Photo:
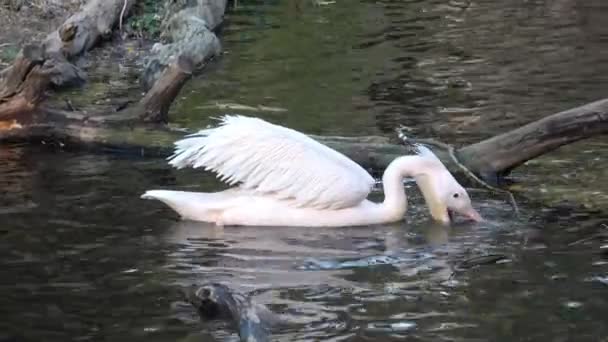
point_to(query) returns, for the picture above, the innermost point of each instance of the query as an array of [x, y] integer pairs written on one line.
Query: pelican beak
[[472, 214]]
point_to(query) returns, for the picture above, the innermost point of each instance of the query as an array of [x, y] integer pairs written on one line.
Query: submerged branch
[[462, 167], [372, 152], [502, 153], [252, 321]]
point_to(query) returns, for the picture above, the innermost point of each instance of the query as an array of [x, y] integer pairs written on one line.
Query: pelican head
[[446, 197]]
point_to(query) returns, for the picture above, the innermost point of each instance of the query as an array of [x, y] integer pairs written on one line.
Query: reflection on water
[[83, 258], [445, 67], [88, 260]]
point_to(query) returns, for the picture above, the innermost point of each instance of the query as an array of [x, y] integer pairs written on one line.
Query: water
[[448, 68], [459, 71], [83, 258]]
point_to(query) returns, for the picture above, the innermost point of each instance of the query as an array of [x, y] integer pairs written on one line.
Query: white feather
[[276, 161], [426, 152]]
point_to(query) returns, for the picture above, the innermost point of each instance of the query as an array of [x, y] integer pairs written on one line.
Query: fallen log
[[188, 26], [24, 86], [75, 130], [499, 154], [39, 66], [154, 106], [496, 156]]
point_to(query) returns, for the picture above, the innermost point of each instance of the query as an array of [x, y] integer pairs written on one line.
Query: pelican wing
[[276, 161]]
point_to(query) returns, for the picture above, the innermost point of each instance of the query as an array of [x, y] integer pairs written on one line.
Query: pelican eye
[[455, 195]]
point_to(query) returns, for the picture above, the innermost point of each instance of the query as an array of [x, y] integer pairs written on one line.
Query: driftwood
[[37, 67], [24, 84], [501, 154], [188, 27], [154, 106], [216, 301]]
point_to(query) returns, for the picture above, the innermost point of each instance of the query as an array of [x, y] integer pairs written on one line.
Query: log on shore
[[154, 106], [188, 28], [38, 66]]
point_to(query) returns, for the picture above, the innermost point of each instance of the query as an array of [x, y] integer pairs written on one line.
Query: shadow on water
[[83, 258]]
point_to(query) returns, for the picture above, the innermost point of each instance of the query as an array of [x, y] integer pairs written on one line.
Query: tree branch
[[501, 154]]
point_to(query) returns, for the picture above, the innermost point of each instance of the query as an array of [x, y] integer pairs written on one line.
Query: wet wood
[[187, 27], [217, 301], [154, 106], [26, 81], [481, 260], [187, 32], [25, 98], [14, 77], [499, 155], [373, 152], [23, 87], [121, 133], [38, 66]]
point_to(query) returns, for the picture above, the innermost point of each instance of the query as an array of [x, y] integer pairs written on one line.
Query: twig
[[122, 14], [478, 261], [481, 260], [483, 183], [591, 237], [462, 167]]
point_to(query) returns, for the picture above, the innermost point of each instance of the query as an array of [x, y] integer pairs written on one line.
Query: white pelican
[[284, 178]]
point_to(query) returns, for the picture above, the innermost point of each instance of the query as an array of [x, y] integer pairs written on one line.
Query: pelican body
[[281, 177]]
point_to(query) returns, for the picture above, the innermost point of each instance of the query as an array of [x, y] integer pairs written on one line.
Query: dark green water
[[83, 258]]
